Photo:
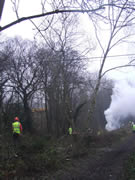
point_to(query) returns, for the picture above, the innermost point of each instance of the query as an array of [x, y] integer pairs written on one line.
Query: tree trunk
[[93, 106], [28, 117]]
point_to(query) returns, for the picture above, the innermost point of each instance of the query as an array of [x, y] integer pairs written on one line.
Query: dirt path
[[108, 166]]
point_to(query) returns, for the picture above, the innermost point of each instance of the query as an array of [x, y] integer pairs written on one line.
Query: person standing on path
[[17, 131], [70, 130]]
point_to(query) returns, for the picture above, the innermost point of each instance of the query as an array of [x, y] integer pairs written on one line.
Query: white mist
[[122, 104]]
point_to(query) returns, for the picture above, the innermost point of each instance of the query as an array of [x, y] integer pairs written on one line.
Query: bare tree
[[24, 74], [62, 67], [103, 99], [4, 57], [117, 19]]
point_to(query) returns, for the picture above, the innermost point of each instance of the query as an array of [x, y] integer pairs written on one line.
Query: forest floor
[[109, 162], [104, 157]]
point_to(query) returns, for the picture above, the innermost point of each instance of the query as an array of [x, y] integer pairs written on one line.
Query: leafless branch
[[43, 5], [40, 32], [127, 65], [16, 7], [120, 40], [96, 33], [48, 14]]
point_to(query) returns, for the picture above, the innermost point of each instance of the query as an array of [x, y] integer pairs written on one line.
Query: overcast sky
[[25, 29], [26, 8]]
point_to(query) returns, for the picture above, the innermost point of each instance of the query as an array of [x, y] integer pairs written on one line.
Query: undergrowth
[[130, 168], [42, 156]]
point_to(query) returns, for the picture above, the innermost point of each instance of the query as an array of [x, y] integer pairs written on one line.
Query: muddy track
[[108, 167]]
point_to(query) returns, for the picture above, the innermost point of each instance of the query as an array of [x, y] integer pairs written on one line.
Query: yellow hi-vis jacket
[[70, 131], [16, 127], [133, 127]]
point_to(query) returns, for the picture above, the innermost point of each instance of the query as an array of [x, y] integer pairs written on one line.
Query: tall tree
[[63, 72], [116, 20], [4, 57], [24, 74]]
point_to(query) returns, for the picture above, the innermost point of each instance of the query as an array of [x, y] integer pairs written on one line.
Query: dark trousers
[[16, 141]]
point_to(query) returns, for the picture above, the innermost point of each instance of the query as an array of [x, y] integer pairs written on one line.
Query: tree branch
[[128, 65], [47, 14]]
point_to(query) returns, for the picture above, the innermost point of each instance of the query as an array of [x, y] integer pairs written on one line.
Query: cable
[[96, 57], [120, 55]]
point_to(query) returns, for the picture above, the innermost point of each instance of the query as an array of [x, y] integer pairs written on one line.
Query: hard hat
[[16, 119]]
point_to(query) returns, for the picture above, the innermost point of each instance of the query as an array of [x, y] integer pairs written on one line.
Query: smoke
[[122, 104]]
